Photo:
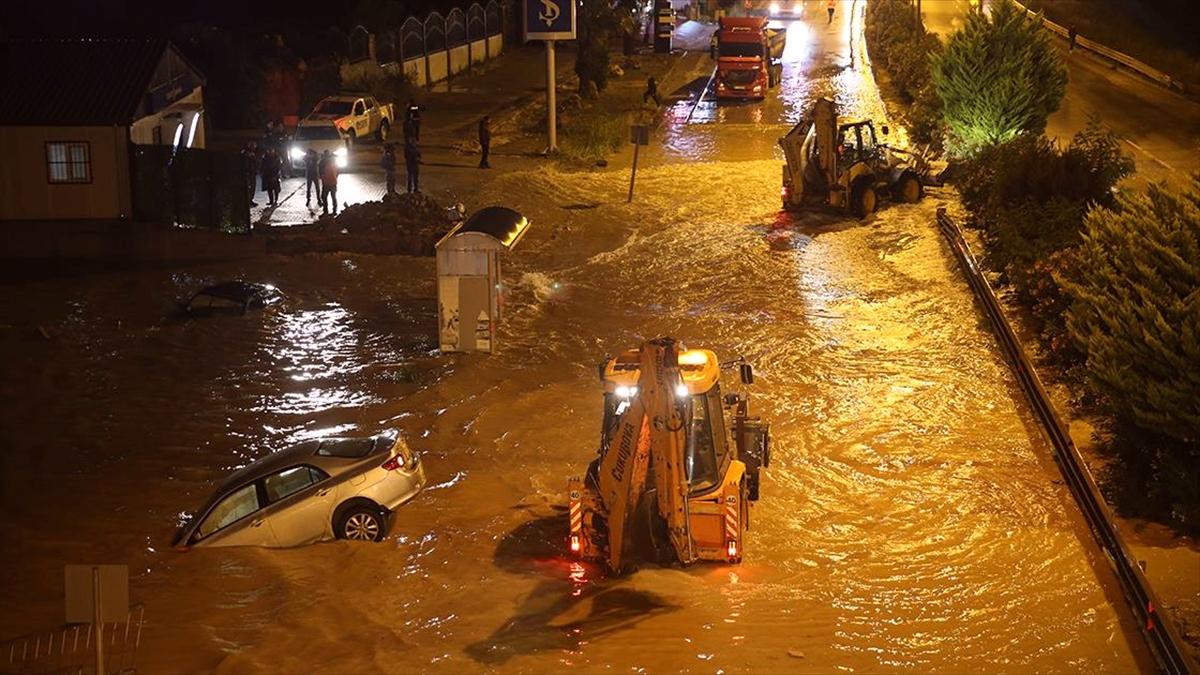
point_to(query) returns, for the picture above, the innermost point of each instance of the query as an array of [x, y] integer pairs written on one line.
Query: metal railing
[[69, 650], [1107, 52], [1156, 628]]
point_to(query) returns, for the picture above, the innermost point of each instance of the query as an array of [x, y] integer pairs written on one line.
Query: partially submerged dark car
[[235, 297]]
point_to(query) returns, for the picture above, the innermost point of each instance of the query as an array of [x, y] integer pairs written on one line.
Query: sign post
[[550, 20], [98, 594], [639, 135]]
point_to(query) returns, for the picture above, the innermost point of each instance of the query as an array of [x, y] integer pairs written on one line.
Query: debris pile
[[407, 224]]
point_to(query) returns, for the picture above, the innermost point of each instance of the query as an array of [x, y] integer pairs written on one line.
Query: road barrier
[[1157, 629], [1109, 53]]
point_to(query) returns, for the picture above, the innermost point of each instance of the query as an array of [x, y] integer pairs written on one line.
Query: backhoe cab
[[846, 166], [670, 437]]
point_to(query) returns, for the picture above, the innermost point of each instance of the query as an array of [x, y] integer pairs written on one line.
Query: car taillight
[[393, 463]]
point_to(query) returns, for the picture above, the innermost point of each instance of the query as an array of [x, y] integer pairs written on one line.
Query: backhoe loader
[[672, 443], [846, 166]]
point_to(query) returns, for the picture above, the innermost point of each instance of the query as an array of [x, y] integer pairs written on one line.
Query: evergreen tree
[[998, 76], [1136, 308]]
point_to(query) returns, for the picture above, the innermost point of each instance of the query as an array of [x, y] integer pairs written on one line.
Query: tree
[[598, 22], [1135, 285], [998, 77]]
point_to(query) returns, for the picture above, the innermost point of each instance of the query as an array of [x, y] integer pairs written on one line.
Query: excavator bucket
[[624, 479], [659, 379]]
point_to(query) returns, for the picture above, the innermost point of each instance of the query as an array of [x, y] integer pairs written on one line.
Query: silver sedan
[[339, 487]]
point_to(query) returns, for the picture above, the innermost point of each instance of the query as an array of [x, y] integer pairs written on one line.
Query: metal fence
[[190, 187], [415, 38], [71, 649]]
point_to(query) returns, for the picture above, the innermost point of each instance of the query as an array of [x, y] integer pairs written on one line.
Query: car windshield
[[335, 108], [740, 48], [318, 133], [350, 448]]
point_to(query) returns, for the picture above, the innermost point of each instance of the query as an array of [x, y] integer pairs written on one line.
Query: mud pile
[[406, 224]]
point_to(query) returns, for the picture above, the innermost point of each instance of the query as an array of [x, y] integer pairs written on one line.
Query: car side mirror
[[747, 372], [884, 129]]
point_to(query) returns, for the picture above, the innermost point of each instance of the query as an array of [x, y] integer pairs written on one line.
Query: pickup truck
[[355, 116]]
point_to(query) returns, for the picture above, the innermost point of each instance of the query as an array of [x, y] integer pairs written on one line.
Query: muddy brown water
[[911, 519]]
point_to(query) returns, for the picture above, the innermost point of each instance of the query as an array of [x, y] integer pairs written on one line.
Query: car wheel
[[908, 190], [863, 199], [384, 130], [361, 523]]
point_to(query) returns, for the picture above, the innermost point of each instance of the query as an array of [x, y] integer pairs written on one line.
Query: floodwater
[[911, 519]]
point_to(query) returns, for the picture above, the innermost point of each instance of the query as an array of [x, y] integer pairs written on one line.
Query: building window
[[69, 162]]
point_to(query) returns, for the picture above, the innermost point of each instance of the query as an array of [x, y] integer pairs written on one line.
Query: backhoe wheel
[[909, 189], [863, 199]]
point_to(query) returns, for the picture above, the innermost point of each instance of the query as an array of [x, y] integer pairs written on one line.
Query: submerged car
[[336, 487], [232, 296]]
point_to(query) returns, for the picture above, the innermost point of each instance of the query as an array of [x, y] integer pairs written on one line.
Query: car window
[[233, 508], [358, 108], [291, 481]]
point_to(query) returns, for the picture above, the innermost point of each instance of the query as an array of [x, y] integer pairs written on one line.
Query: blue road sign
[[549, 19]]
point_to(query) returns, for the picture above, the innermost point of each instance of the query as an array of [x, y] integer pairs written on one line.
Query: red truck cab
[[749, 55]]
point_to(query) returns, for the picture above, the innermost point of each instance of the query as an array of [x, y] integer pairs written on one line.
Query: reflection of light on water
[[316, 343]]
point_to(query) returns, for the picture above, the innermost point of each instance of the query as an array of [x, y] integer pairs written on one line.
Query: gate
[[190, 187]]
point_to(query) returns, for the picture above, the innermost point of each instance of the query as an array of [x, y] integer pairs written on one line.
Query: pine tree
[[998, 76], [1136, 308]]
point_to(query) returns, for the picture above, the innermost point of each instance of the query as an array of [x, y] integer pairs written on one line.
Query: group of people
[[271, 164]]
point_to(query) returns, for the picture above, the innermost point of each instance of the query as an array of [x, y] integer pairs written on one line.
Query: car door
[[299, 505], [236, 520], [361, 122]]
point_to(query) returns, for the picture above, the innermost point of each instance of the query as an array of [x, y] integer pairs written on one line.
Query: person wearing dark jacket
[[412, 164], [388, 162], [651, 92], [250, 161], [412, 120], [485, 142], [271, 166], [312, 176], [329, 178]]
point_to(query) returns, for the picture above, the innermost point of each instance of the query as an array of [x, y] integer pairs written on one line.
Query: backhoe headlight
[[626, 392], [681, 390]]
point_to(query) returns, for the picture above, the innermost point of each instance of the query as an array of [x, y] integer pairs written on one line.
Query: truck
[[846, 166], [749, 57], [356, 116], [677, 458]]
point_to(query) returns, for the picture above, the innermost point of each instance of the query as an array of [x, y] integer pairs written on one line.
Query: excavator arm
[[651, 432]]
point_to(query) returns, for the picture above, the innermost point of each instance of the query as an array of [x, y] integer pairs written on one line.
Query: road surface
[[911, 520]]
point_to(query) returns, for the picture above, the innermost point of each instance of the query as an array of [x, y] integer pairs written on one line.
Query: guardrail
[[69, 650], [1157, 629], [1109, 53]]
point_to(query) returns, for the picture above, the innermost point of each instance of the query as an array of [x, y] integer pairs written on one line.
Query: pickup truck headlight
[[340, 152], [296, 153]]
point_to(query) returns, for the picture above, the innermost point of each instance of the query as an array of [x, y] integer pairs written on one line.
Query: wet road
[[910, 520], [1161, 128]]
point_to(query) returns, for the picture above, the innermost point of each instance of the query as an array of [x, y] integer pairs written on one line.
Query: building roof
[[503, 224], [82, 82]]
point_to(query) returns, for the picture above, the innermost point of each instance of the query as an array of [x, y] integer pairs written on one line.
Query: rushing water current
[[911, 519]]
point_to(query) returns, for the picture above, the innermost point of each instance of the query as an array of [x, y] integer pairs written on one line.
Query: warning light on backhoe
[[574, 543], [732, 548]]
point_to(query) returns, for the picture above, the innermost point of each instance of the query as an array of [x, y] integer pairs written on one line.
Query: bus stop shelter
[[468, 272]]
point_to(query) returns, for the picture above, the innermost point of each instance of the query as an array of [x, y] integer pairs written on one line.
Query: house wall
[[26, 192]]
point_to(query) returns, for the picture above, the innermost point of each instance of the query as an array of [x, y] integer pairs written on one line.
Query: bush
[[998, 77], [1135, 311], [900, 45], [1030, 196]]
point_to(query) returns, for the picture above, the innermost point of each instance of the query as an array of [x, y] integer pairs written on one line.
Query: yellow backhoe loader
[[847, 166], [673, 444]]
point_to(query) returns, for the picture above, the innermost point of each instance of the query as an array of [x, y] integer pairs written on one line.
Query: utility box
[[468, 271]]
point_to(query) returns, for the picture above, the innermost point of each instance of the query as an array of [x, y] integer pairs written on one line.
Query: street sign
[[549, 19], [639, 134], [81, 593]]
